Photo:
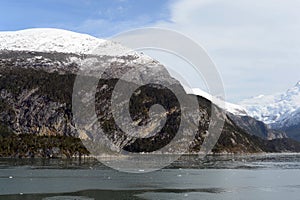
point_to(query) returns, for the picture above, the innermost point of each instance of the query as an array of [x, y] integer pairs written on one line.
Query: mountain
[[57, 40], [241, 118], [36, 87], [229, 107], [255, 127], [279, 111], [290, 125], [63, 41]]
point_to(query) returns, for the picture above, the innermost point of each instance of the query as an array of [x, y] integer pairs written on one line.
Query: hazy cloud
[[255, 44]]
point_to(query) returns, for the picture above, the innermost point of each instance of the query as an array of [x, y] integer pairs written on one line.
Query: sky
[[255, 44]]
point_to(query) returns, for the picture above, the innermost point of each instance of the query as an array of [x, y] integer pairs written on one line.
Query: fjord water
[[268, 176]]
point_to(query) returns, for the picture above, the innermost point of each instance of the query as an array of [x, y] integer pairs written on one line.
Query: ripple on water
[[67, 198]]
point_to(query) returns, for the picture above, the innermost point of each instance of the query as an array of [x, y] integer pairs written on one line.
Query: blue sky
[[82, 15], [254, 43]]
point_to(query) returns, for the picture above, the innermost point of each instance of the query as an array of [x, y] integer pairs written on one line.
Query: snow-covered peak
[[47, 40], [229, 107], [273, 108], [57, 40]]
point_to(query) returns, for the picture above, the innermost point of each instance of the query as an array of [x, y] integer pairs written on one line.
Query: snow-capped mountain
[[58, 40], [229, 107], [63, 41], [37, 71], [278, 110], [240, 117]]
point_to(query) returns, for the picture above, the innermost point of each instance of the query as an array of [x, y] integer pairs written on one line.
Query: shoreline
[[127, 156]]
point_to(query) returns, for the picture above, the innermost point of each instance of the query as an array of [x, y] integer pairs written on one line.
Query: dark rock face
[[36, 98], [292, 131], [36, 102], [257, 128], [140, 104], [290, 125]]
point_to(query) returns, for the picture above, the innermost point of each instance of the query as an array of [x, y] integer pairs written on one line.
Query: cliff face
[[257, 128], [36, 93], [36, 98], [30, 112]]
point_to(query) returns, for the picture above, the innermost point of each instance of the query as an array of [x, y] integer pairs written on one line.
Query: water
[[256, 177]]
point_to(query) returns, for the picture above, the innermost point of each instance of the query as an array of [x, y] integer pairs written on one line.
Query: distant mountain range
[[37, 72], [279, 111]]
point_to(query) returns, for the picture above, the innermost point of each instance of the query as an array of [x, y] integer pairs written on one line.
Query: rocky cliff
[[36, 98]]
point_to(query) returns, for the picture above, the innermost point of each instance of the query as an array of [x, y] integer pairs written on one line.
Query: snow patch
[[275, 109], [229, 107], [58, 40]]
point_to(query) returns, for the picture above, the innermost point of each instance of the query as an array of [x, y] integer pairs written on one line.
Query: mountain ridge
[[64, 41], [58, 40], [36, 92], [280, 111], [272, 109]]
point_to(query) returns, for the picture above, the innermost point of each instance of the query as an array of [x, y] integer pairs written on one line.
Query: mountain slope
[[36, 97], [229, 107], [274, 108], [257, 128], [57, 40], [280, 111], [47, 40]]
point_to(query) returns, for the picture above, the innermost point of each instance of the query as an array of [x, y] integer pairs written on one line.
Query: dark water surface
[[254, 177]]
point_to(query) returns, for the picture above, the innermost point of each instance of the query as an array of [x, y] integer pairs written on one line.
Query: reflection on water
[[67, 198], [109, 194], [264, 177]]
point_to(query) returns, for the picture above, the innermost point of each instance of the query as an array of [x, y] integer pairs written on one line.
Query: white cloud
[[255, 44]]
